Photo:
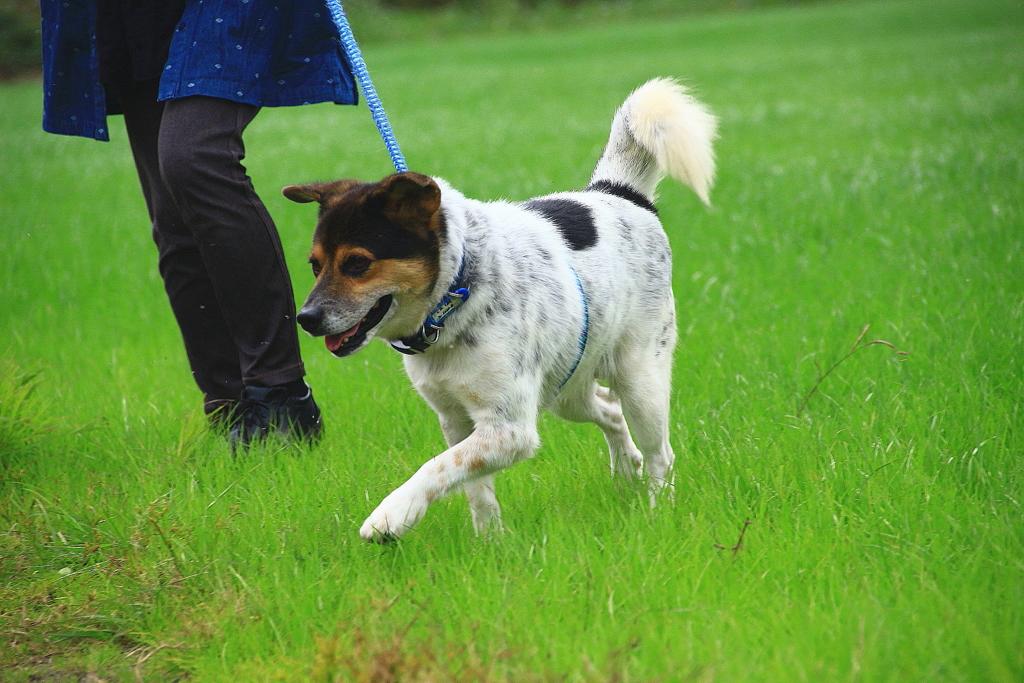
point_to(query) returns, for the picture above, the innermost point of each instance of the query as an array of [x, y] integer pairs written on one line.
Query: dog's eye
[[355, 266], [316, 267]]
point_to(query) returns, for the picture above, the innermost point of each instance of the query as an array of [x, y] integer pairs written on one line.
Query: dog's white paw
[[628, 463], [395, 515]]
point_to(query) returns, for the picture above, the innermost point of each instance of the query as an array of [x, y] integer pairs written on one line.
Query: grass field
[[871, 173]]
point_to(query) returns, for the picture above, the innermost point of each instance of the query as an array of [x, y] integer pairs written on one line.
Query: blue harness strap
[[586, 329], [362, 74]]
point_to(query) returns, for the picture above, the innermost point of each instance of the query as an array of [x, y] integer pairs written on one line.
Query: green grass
[[871, 173]]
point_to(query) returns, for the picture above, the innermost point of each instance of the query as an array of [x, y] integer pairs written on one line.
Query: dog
[[563, 303]]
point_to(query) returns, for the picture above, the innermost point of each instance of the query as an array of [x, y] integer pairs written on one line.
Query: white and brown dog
[[563, 303]]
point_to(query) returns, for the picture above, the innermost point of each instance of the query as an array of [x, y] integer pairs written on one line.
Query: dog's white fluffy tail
[[660, 130]]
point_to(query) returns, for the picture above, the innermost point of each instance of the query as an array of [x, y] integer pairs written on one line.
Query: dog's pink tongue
[[333, 341]]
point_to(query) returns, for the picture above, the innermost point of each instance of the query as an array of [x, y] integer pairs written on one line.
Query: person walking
[[188, 77]]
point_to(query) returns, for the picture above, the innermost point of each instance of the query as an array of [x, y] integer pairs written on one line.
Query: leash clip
[[431, 330], [426, 334]]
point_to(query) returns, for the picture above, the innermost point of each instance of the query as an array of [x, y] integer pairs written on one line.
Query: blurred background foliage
[[19, 37], [376, 21]]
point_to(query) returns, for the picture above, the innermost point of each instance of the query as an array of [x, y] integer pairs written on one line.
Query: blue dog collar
[[430, 331]]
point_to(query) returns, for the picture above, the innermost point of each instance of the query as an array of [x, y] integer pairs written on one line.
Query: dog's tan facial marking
[[409, 276], [317, 259], [353, 273], [354, 263]]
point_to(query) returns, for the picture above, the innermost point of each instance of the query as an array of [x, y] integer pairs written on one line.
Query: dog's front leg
[[483, 504], [488, 449]]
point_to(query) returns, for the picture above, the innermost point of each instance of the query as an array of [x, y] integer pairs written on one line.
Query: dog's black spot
[[624, 192], [574, 220]]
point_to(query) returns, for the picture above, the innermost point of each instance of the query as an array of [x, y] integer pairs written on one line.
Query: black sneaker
[[220, 413], [275, 410]]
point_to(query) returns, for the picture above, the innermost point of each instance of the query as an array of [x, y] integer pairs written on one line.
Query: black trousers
[[219, 251]]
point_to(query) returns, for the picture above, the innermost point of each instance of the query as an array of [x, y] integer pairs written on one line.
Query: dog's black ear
[[317, 192], [410, 200]]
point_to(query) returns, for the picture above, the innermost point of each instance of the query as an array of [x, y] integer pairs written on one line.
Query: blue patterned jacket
[[270, 53]]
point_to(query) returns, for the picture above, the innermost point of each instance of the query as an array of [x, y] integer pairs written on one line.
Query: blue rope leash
[[359, 70], [362, 74]]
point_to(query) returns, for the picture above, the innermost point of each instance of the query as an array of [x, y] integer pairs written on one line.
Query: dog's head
[[375, 255]]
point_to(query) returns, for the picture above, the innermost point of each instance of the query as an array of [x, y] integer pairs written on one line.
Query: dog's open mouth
[[351, 339]]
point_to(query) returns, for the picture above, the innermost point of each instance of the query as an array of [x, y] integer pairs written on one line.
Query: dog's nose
[[310, 318]]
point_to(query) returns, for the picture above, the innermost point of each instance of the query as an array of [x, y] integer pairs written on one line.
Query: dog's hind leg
[[600, 406], [643, 384]]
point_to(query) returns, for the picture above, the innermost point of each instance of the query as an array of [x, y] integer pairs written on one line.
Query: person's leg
[[201, 150], [211, 351]]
